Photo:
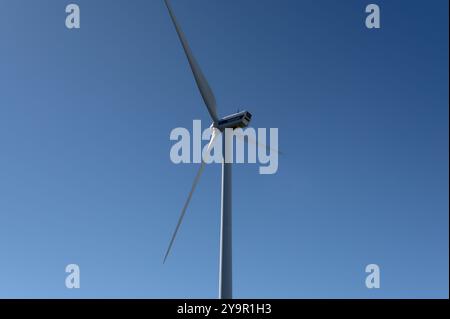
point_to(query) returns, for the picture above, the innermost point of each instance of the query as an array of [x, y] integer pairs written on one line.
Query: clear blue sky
[[86, 178]]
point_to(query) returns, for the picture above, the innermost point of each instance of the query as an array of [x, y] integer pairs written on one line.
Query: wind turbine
[[238, 120]]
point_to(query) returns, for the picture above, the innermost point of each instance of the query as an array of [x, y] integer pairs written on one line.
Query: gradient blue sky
[[86, 178]]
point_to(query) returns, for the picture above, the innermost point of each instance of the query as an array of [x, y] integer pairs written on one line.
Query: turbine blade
[[183, 211], [202, 84], [253, 141], [214, 136]]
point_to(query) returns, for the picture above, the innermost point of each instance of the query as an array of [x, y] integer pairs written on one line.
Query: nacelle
[[238, 120]]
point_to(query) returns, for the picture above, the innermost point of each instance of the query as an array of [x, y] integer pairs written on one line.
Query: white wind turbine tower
[[238, 120]]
